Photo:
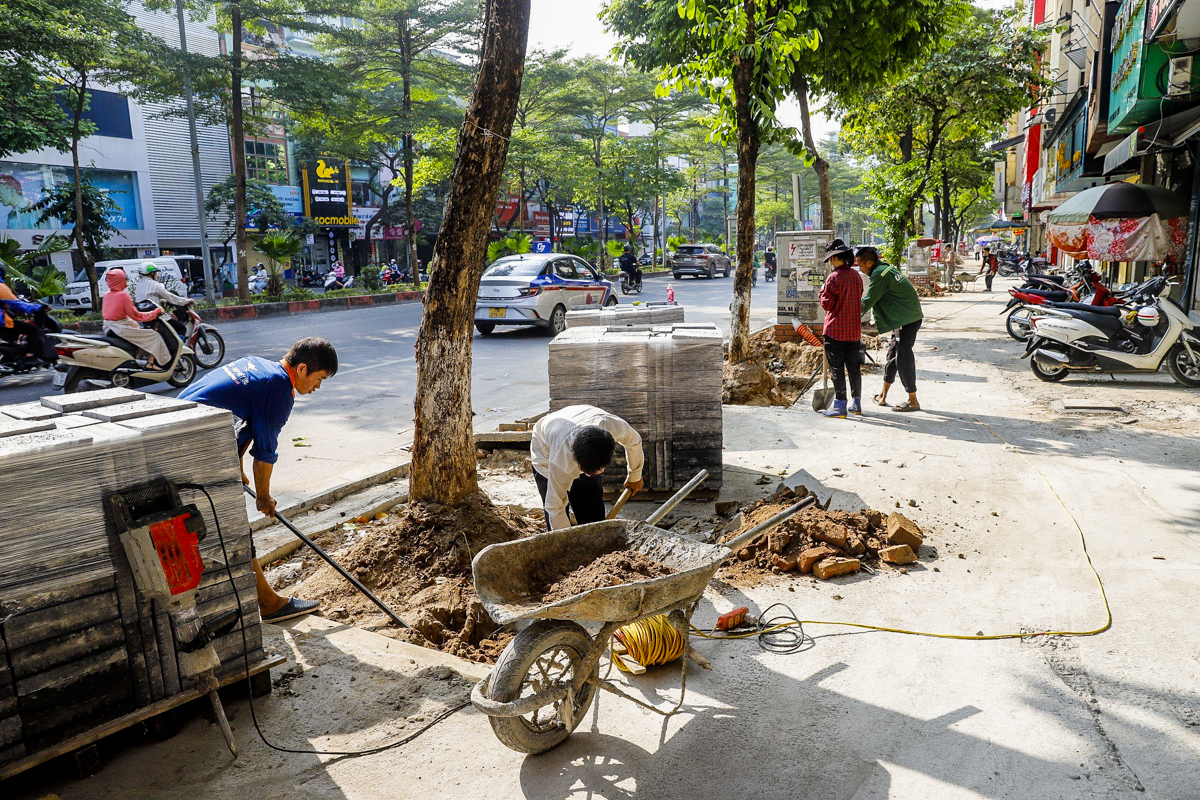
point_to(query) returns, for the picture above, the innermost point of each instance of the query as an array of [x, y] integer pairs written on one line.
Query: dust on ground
[[776, 372], [852, 535], [418, 561], [610, 569]]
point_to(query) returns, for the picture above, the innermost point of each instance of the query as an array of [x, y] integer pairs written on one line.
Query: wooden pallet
[[89, 738]]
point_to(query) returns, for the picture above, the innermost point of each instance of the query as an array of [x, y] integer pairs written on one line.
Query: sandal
[[879, 401], [907, 405], [294, 607]]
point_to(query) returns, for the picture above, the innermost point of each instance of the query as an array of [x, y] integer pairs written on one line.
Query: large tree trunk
[[443, 455], [820, 165], [410, 220], [239, 155], [747, 150], [87, 258]]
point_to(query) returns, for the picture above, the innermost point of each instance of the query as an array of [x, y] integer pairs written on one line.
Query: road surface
[[363, 417]]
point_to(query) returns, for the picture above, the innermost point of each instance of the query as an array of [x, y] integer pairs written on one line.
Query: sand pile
[[611, 569], [824, 543], [419, 563], [776, 372], [931, 290]]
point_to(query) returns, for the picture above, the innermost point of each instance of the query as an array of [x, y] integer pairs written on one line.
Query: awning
[[1007, 143], [1124, 152], [1170, 131]]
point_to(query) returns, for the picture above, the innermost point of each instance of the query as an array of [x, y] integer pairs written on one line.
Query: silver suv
[[700, 260]]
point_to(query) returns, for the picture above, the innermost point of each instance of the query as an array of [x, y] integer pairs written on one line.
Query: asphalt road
[[364, 415]]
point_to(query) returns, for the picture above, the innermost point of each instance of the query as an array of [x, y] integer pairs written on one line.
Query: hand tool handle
[[329, 560], [743, 539], [677, 498], [621, 501]]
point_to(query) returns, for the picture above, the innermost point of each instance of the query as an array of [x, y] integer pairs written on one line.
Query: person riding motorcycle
[[11, 328], [770, 260], [149, 288], [628, 264], [122, 319]]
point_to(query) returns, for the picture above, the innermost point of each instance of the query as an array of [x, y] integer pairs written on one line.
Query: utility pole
[[209, 289]]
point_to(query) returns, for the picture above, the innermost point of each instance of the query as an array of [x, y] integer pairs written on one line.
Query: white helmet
[[1148, 316]]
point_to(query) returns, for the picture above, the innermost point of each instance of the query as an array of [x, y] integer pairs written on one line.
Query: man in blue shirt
[[260, 394]]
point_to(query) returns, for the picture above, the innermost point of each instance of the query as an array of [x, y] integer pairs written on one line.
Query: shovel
[[824, 396]]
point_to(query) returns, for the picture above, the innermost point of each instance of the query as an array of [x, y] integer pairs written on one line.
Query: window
[[565, 268], [266, 162], [360, 192], [585, 271], [514, 267], [108, 111]]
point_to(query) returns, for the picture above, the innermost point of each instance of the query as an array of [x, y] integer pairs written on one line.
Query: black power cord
[[246, 658]]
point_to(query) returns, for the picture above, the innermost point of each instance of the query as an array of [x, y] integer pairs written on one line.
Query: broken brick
[[811, 556], [833, 567], [783, 564], [855, 546], [745, 554], [874, 518], [778, 540], [874, 545], [902, 530], [898, 554], [833, 535]]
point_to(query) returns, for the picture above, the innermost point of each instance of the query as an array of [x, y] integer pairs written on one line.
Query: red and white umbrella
[[1121, 222]]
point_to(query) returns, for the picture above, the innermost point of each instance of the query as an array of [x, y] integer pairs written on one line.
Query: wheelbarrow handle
[[677, 498], [743, 539], [621, 501]]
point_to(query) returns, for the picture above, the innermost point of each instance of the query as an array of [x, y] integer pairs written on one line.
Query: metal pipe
[[743, 539], [677, 498], [329, 560], [517, 708]]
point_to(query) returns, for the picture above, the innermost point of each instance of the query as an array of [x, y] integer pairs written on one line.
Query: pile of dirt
[[419, 563], [929, 290], [776, 372], [824, 543], [611, 569]]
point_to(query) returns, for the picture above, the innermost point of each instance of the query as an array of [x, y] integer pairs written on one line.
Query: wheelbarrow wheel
[[547, 652]]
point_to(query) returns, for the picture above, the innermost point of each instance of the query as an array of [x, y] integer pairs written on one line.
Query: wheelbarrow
[[548, 674]]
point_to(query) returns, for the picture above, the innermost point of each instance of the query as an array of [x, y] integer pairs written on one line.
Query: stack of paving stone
[[665, 381], [626, 316], [78, 646]]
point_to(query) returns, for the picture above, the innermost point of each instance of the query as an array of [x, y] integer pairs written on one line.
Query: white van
[[79, 295]]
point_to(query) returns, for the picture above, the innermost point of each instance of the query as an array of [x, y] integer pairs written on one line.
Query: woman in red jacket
[[841, 297]]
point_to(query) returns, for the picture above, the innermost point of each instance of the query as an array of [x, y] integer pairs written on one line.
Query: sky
[[573, 24]]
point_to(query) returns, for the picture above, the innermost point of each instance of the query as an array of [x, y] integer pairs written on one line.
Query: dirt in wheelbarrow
[[776, 371], [418, 561], [820, 543], [611, 569]]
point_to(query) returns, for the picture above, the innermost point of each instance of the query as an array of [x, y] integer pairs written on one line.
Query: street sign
[[541, 247]]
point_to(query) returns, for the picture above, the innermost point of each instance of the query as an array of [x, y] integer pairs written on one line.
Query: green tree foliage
[[508, 246], [30, 116], [21, 268], [964, 91], [265, 210], [279, 248], [61, 205]]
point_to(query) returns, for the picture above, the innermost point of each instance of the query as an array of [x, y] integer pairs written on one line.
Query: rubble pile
[[611, 569], [776, 372], [823, 543], [419, 562]]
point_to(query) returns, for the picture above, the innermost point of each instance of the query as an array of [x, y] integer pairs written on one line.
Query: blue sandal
[[294, 607]]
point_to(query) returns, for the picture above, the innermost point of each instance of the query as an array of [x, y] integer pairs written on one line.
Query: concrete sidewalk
[[861, 714]]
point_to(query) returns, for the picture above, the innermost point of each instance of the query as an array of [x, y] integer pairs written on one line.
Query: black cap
[[838, 248]]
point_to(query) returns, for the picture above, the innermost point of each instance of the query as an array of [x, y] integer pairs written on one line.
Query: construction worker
[[260, 394], [570, 449]]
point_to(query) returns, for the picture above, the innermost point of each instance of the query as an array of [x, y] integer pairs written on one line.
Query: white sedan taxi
[[539, 289]]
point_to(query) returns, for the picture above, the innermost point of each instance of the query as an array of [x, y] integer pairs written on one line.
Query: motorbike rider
[[11, 328], [628, 264], [121, 318], [770, 260], [150, 288]]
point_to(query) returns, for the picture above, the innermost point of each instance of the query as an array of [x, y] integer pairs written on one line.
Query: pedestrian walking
[[841, 297], [897, 309]]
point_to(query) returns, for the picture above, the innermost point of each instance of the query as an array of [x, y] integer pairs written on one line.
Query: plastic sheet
[[665, 381], [625, 316]]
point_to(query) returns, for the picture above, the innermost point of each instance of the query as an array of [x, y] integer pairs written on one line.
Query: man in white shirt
[[570, 449], [148, 288]]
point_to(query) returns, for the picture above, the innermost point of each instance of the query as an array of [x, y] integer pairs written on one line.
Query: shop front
[[327, 200]]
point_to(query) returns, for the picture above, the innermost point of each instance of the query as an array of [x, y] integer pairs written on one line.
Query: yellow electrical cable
[[651, 642], [976, 637]]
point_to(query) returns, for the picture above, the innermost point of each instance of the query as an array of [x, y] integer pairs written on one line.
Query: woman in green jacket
[[897, 309]]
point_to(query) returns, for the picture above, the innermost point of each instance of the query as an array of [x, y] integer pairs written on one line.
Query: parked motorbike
[[87, 361], [1147, 332], [628, 285], [14, 360], [1083, 282], [205, 341]]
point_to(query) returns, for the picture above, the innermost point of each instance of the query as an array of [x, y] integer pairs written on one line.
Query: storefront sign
[[365, 214], [23, 185], [327, 193], [291, 197]]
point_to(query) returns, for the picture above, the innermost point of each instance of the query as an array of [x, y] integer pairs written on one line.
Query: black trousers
[[844, 360], [585, 498], [987, 279], [900, 358], [35, 340]]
